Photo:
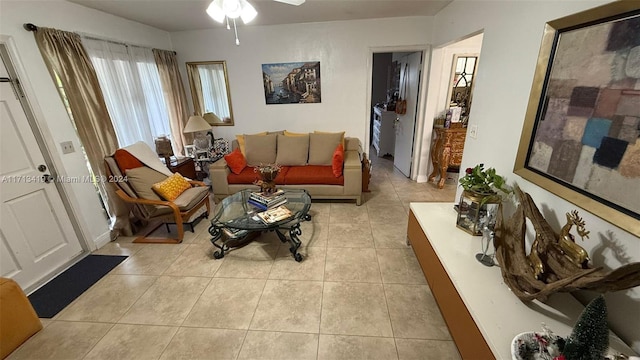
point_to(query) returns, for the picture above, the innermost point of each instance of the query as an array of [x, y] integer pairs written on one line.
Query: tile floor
[[358, 294]]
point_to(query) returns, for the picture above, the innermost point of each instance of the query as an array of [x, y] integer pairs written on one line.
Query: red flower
[[469, 170]]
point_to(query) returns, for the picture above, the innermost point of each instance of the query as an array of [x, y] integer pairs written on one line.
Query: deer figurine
[[567, 243]]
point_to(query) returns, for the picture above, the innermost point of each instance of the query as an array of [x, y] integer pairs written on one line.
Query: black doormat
[[66, 287]]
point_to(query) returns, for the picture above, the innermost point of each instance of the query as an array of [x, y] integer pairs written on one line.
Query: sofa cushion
[[289, 133], [240, 139], [236, 161], [322, 146], [312, 175], [142, 179], [292, 150], [248, 176], [326, 132], [338, 161], [171, 187], [260, 149]]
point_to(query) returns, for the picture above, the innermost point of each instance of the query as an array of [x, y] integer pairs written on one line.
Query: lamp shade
[[211, 118], [215, 11], [196, 123], [248, 12]]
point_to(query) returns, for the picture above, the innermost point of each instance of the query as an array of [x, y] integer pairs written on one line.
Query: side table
[[185, 166]]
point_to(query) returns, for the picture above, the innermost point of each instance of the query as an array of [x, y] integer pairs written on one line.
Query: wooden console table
[[482, 314], [446, 151]]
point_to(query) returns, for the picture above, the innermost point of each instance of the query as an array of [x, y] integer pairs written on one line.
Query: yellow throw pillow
[[170, 188], [288, 133], [240, 139], [327, 132]]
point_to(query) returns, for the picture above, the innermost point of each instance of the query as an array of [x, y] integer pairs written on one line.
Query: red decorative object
[[338, 160], [236, 161]]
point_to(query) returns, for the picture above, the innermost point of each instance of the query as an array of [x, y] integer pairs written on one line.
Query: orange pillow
[[338, 160], [126, 161], [236, 161], [170, 188]]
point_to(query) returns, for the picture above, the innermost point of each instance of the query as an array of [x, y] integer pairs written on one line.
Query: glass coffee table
[[236, 218]]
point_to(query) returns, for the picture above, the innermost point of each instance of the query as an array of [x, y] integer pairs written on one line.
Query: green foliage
[[589, 339], [483, 181]]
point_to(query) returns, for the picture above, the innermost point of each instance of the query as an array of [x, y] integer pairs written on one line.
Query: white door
[[405, 124], [36, 234]]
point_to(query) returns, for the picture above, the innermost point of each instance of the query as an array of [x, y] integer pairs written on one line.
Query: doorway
[[450, 64], [395, 77], [37, 233]]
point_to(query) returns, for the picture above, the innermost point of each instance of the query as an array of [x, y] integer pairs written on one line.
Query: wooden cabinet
[[185, 166], [384, 134], [446, 151]]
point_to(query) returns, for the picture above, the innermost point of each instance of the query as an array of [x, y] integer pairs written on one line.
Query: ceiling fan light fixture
[[248, 11], [292, 2], [215, 11], [232, 8]]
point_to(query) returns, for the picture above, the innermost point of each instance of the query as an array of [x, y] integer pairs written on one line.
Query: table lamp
[[163, 148], [198, 125]]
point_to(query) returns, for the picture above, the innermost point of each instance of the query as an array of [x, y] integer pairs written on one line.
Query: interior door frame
[[421, 101], [45, 143]]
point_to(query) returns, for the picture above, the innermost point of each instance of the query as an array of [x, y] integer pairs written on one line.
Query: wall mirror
[[461, 85], [210, 91]]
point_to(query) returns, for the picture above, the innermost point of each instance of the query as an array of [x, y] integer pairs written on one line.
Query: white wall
[[343, 49], [49, 110], [512, 34]]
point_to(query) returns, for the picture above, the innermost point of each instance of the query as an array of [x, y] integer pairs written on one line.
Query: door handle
[[42, 168], [396, 122], [47, 178]]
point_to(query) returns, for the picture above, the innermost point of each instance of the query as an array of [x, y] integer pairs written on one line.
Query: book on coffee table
[[274, 215]]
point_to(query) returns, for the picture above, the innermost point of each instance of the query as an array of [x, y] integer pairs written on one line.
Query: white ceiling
[[179, 15]]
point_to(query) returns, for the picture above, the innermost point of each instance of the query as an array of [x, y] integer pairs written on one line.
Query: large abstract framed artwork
[[292, 83], [580, 138]]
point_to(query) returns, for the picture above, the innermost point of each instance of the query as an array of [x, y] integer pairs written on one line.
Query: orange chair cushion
[[338, 161], [126, 161], [172, 187], [18, 320], [312, 175], [236, 161]]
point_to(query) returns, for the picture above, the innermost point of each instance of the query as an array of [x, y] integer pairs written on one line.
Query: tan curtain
[[65, 56], [174, 95]]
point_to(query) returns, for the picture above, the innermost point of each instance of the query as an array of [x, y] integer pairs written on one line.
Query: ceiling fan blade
[[291, 2]]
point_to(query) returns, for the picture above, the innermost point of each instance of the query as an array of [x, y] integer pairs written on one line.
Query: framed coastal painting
[[292, 83], [580, 138]]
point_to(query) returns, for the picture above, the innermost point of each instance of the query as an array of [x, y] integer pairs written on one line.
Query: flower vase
[[473, 208], [268, 176]]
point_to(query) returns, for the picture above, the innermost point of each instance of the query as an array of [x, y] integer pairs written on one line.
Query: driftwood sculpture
[[555, 263]]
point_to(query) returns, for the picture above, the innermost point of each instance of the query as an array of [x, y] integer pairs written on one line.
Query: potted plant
[[480, 197]]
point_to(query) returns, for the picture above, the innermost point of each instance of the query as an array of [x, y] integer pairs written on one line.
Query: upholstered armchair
[[155, 194]]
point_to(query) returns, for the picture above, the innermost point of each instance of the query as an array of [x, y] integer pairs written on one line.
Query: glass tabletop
[[235, 211]]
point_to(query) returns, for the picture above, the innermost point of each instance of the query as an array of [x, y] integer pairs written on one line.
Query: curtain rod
[[31, 27]]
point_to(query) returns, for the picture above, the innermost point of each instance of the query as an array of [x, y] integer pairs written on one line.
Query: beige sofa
[[310, 172]]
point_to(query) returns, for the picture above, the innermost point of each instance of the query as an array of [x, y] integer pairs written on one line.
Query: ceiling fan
[[221, 10], [291, 2]]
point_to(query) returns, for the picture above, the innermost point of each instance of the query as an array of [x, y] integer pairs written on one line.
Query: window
[[130, 83]]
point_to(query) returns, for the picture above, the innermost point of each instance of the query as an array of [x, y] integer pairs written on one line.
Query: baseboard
[[102, 240], [422, 178]]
